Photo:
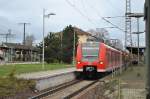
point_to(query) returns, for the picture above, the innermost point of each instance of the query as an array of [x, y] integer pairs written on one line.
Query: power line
[[113, 24], [115, 8], [106, 19], [72, 5], [83, 6], [97, 14], [114, 17]]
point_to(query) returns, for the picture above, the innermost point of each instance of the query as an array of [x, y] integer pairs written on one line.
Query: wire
[[105, 19], [115, 17], [114, 7], [83, 6], [113, 24], [80, 12], [97, 14]]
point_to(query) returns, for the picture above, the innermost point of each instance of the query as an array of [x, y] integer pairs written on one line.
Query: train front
[[87, 58]]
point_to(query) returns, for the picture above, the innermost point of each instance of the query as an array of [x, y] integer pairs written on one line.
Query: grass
[[26, 68], [10, 85]]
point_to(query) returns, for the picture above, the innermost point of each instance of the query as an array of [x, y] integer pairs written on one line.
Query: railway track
[[54, 89], [67, 90]]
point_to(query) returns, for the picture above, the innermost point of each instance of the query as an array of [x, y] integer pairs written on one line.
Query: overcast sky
[[85, 14]]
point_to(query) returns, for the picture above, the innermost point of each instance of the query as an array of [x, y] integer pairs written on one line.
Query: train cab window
[[90, 52]]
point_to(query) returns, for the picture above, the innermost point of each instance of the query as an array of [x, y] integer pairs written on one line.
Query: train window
[[90, 53], [112, 55], [109, 57], [90, 44], [117, 58], [113, 58]]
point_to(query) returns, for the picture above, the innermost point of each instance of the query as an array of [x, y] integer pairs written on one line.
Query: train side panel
[[79, 65], [101, 66]]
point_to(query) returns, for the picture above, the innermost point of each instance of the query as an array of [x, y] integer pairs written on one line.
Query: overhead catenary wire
[[114, 17], [72, 5], [106, 19], [96, 13], [114, 7], [83, 6], [113, 24]]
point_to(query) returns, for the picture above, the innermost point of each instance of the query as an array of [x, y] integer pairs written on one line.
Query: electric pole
[[128, 35], [137, 16], [7, 35], [24, 31], [147, 19]]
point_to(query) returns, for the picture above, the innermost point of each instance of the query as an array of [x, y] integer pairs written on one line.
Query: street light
[[44, 16]]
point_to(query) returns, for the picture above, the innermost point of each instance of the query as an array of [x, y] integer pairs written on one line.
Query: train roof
[[91, 44], [95, 44]]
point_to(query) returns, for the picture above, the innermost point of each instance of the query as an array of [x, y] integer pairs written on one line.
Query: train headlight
[[101, 63], [78, 62]]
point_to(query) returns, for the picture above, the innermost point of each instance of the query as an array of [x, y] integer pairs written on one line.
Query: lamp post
[[44, 16]]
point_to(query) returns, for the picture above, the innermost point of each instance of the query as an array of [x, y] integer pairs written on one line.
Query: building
[[82, 35], [135, 52], [16, 52]]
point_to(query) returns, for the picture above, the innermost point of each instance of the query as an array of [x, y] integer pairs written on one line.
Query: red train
[[94, 57]]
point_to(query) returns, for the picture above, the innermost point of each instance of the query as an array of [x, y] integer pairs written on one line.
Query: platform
[[133, 83], [45, 74]]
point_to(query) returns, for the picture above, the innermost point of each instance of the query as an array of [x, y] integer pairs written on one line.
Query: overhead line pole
[[128, 27], [24, 31], [138, 16], [138, 40], [147, 18], [7, 35]]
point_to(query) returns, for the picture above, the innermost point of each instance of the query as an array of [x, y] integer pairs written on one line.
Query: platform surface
[[45, 74], [133, 82]]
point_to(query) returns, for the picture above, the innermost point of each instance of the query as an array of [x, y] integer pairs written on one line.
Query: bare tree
[[101, 34], [29, 40]]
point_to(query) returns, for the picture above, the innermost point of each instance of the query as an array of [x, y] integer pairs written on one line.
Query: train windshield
[[90, 52]]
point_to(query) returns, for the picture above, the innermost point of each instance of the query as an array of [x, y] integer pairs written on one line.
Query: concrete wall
[[45, 83]]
